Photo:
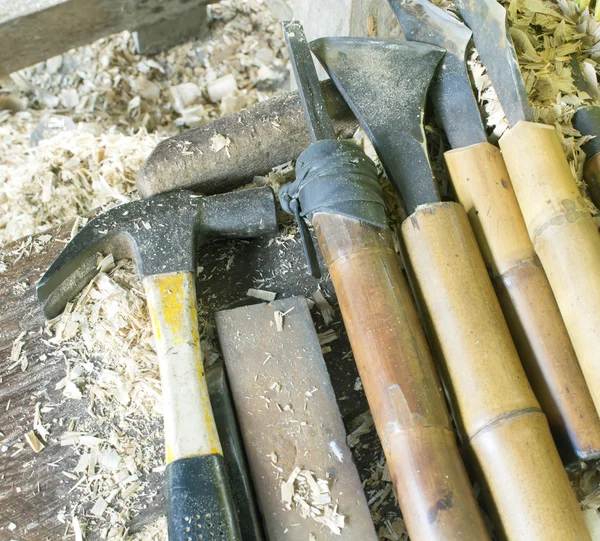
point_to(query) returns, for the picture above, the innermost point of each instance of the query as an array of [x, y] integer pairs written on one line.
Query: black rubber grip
[[199, 502]]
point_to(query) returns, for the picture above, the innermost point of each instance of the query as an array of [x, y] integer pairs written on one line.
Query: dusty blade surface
[[487, 19], [320, 125], [385, 83], [451, 88]]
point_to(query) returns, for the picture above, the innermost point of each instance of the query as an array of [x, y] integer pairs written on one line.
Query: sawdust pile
[[95, 113], [67, 175], [558, 46], [312, 498], [111, 364]]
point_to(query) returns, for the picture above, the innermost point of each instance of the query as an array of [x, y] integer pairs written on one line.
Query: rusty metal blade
[[451, 88], [488, 21], [385, 84], [320, 125]]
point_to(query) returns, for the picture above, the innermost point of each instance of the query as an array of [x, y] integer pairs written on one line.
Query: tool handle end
[[198, 500]]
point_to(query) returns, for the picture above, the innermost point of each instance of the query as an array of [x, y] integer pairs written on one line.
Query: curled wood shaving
[[311, 496]]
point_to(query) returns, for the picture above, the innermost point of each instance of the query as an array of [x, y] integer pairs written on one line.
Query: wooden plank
[[372, 18], [172, 30], [34, 491], [39, 29], [289, 418], [362, 18]]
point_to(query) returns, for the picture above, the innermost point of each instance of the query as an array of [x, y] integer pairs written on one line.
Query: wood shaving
[[326, 310], [34, 442], [554, 42], [327, 336], [311, 497], [220, 142], [261, 294]]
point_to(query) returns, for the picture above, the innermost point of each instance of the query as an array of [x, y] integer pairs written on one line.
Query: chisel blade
[[385, 84], [487, 20], [319, 124], [451, 88]]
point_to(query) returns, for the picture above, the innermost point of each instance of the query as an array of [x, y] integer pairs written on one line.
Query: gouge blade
[[488, 22], [385, 84], [451, 88], [320, 125]]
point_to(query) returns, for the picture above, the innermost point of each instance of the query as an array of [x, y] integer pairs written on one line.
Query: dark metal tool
[[409, 68], [337, 188], [161, 234], [561, 228], [587, 122], [484, 189], [499, 418]]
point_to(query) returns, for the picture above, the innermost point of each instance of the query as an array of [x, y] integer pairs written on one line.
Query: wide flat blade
[[320, 125], [487, 19], [451, 88], [385, 83]]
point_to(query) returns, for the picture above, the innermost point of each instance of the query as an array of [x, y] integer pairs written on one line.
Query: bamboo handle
[[485, 191], [563, 233], [197, 490], [508, 435], [591, 175], [400, 381]]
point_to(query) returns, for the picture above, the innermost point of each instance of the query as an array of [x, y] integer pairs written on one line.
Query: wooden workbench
[[34, 494]]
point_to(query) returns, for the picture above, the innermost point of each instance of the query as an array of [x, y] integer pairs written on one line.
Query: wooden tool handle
[[563, 233], [508, 435], [197, 490], [485, 191], [400, 381]]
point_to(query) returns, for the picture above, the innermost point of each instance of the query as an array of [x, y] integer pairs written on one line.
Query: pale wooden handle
[[400, 381], [549, 359], [488, 388], [484, 189], [563, 233], [190, 428]]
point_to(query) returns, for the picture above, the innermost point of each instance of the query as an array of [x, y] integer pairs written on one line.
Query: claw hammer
[[161, 234]]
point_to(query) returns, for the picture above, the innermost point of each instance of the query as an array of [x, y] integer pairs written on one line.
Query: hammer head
[[162, 234]]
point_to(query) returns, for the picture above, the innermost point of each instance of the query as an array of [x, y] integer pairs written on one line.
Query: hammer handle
[[563, 233], [508, 435], [400, 381], [197, 489], [485, 191]]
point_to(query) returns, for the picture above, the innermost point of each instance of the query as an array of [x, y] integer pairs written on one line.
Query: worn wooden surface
[[34, 490], [309, 435], [32, 31], [261, 137], [171, 30]]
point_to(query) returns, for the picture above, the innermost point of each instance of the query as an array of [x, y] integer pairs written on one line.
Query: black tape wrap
[[336, 177]]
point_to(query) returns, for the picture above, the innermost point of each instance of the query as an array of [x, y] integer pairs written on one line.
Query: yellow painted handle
[[190, 428], [508, 435], [485, 191], [563, 233]]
